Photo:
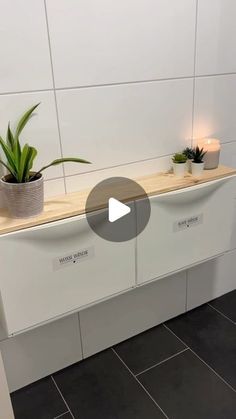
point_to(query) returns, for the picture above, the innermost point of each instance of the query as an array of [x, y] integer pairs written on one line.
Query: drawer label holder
[[188, 222], [72, 258]]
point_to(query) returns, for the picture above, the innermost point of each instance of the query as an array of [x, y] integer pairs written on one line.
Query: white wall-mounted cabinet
[[58, 268], [186, 227]]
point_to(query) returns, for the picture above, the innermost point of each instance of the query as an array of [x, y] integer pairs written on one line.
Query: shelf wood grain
[[58, 208]]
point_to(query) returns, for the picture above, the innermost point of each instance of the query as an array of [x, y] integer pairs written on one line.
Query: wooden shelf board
[[58, 208]]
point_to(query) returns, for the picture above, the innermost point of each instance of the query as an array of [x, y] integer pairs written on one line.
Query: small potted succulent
[[179, 164], [22, 187], [197, 164], [188, 151]]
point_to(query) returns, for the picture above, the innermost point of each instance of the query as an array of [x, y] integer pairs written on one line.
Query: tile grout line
[[61, 416], [54, 92], [19, 92], [210, 368], [194, 71], [149, 159], [141, 385], [59, 391], [162, 362], [222, 314]]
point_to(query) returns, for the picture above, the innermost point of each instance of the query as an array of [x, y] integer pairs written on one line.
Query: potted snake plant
[[22, 186], [197, 164], [188, 151]]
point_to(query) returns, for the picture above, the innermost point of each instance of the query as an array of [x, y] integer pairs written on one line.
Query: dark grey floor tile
[[148, 348], [40, 400], [185, 388], [212, 337], [102, 388], [226, 304]]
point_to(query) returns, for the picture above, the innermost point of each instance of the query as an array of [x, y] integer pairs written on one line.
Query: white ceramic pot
[[188, 166], [179, 169], [23, 200], [197, 169]]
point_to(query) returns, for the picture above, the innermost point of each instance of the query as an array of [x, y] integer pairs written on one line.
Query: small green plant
[[198, 154], [188, 152], [19, 160], [179, 158]]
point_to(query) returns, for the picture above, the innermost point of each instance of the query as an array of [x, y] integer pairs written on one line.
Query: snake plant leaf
[[10, 137], [9, 154], [9, 169], [23, 121], [64, 160], [17, 152], [23, 163], [31, 156]]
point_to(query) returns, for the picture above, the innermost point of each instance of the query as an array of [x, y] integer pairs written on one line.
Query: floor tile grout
[[61, 416], [222, 314], [141, 385], [219, 376], [59, 391], [161, 362]]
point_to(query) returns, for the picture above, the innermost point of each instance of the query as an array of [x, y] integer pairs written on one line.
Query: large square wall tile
[[216, 33], [24, 49], [215, 104], [108, 42], [116, 125]]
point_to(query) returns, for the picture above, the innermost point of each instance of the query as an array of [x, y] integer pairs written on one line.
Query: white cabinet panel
[[24, 49], [42, 351], [216, 33], [211, 280], [116, 125], [102, 42], [131, 313], [39, 283], [186, 227]]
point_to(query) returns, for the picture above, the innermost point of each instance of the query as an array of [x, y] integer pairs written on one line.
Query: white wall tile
[[216, 33], [41, 131], [215, 104], [127, 40], [54, 187], [24, 49], [40, 352], [211, 279], [228, 154], [117, 319], [116, 125], [134, 170]]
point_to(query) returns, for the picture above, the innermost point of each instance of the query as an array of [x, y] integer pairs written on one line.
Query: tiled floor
[[184, 369]]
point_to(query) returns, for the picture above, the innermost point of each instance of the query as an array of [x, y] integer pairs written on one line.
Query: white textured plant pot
[[23, 200], [179, 169], [197, 169]]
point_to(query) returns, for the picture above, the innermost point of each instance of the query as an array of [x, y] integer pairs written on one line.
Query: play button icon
[[113, 207], [117, 210]]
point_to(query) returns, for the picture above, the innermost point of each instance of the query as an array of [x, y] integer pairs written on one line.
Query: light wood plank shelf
[[58, 208]]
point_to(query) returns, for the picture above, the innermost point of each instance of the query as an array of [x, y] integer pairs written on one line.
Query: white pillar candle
[[212, 148]]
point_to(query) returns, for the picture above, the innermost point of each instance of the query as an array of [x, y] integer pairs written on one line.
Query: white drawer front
[[57, 268], [186, 227]]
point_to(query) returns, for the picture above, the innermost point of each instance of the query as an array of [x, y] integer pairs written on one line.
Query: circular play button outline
[[117, 209]]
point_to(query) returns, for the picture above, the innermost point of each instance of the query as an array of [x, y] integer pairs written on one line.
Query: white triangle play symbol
[[116, 209]]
